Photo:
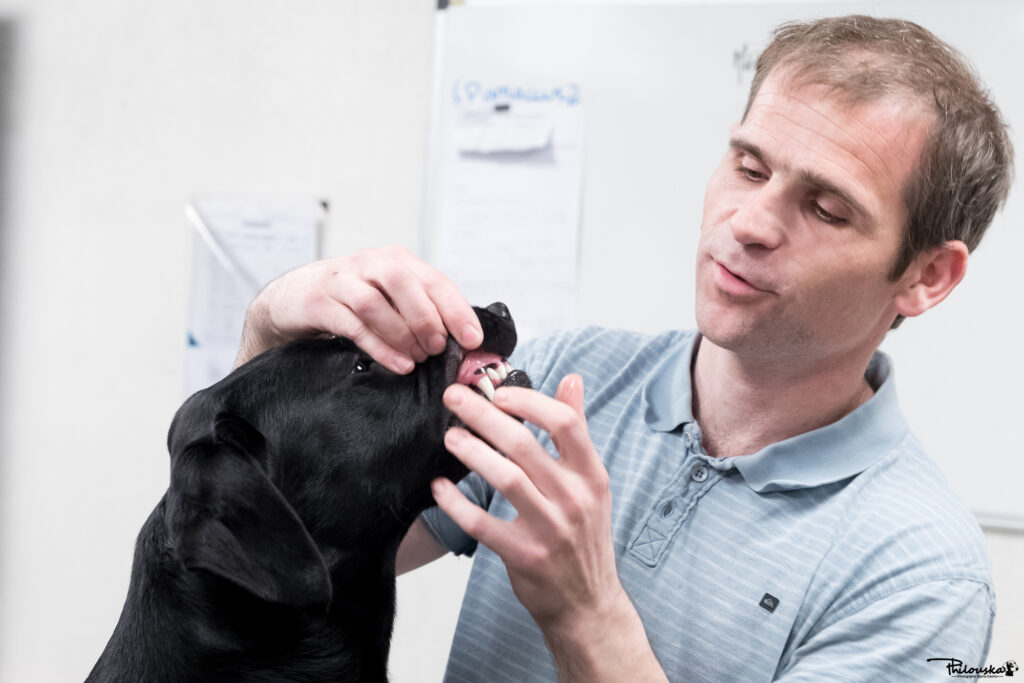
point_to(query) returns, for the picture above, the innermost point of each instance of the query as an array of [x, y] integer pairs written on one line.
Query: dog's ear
[[225, 516]]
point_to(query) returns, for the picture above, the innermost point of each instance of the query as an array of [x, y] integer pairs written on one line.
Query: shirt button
[[699, 473]]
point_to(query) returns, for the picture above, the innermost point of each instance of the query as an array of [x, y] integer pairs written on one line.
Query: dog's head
[[312, 455]]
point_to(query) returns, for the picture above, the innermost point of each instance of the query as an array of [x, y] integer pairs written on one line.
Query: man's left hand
[[558, 551]]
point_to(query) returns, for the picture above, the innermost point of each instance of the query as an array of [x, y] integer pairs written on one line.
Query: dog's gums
[[485, 378]]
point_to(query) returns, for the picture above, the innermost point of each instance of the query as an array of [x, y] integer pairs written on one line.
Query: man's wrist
[[607, 644]]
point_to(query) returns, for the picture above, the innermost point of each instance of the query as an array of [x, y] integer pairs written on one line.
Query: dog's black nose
[[499, 309]]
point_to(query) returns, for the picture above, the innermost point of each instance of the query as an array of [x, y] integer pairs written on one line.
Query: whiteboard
[[660, 86]]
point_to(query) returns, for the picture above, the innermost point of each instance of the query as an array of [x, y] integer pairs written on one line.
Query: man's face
[[802, 221]]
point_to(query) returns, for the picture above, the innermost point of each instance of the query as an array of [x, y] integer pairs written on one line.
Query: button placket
[[678, 498]]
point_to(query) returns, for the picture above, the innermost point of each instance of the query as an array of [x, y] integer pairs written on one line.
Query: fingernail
[[437, 344], [404, 364], [452, 436], [471, 336], [435, 486], [453, 395]]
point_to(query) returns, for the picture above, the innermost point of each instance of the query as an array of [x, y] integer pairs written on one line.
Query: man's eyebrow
[[808, 177]]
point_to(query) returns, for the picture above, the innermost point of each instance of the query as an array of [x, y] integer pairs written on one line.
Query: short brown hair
[[966, 167]]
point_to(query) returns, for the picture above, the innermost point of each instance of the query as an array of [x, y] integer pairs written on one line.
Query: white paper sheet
[[240, 245], [507, 214]]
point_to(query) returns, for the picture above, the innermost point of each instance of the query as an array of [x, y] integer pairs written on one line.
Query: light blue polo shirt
[[839, 554]]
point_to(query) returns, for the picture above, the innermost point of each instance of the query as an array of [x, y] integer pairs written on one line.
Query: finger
[[374, 311], [570, 392], [408, 296], [508, 436], [340, 320], [494, 533], [503, 474], [456, 313], [563, 421]]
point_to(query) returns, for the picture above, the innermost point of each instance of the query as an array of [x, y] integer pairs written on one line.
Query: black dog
[[272, 555]]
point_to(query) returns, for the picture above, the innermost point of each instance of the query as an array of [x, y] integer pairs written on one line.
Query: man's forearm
[[253, 343], [612, 647]]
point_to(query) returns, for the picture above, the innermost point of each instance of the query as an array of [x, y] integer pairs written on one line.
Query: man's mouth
[[733, 283]]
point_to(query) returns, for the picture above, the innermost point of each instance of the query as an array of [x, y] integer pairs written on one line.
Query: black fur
[[272, 555]]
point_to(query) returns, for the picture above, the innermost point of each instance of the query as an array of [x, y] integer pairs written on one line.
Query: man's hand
[[558, 551], [394, 306]]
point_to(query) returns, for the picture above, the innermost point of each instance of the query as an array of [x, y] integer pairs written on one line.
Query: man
[[746, 502]]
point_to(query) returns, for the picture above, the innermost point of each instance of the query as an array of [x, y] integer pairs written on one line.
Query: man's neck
[[744, 405]]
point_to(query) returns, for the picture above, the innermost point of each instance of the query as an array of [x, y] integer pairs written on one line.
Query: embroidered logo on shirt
[[769, 602]]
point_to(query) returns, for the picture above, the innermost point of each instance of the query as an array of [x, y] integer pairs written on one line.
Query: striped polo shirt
[[838, 554]]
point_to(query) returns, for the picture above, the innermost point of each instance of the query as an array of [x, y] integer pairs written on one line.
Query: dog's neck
[[181, 625]]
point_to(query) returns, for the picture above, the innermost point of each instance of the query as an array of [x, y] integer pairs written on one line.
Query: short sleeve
[[892, 638], [447, 532]]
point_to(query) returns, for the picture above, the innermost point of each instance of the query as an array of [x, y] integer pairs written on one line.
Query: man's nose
[[759, 220]]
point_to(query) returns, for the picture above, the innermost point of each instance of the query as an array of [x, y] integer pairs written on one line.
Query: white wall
[[119, 110]]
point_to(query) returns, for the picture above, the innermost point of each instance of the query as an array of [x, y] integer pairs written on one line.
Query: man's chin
[[760, 338], [736, 330], [723, 325]]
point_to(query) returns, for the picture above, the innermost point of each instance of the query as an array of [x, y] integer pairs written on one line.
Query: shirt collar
[[829, 454], [667, 392]]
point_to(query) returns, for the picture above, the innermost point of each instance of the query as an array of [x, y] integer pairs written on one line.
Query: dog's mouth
[[483, 371], [486, 368]]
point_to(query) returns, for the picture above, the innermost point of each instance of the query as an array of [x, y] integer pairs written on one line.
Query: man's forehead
[[809, 86]]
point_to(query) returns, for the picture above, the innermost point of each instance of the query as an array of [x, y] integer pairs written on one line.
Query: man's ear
[[931, 277], [225, 516]]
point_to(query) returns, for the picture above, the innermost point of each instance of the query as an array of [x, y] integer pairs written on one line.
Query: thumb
[[570, 392]]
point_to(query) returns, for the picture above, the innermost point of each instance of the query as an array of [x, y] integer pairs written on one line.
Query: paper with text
[[240, 245], [507, 211]]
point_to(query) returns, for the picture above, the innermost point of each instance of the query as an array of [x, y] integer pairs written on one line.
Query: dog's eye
[[361, 365]]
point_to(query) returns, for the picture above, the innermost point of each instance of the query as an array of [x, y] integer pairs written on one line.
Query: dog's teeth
[[508, 367], [494, 375], [484, 384], [502, 371]]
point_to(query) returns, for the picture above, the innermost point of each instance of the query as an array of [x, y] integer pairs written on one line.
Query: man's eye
[[825, 216], [749, 173]]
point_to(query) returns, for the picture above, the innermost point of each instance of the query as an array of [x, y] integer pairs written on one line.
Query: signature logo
[[957, 669]]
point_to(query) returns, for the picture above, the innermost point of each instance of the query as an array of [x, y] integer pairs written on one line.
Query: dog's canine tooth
[[494, 375], [484, 383]]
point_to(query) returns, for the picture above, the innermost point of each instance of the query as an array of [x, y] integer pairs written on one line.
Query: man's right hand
[[395, 307]]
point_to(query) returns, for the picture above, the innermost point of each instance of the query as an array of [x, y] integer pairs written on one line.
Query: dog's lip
[[454, 353]]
